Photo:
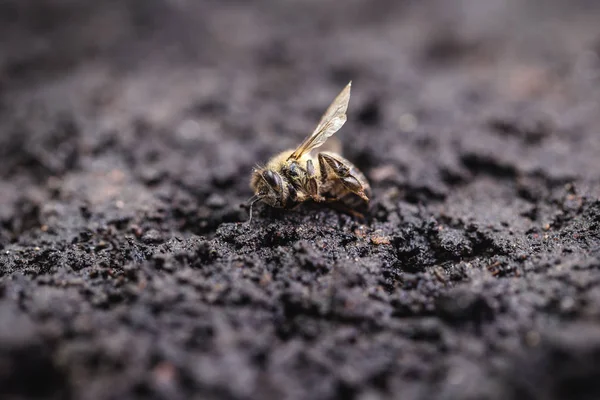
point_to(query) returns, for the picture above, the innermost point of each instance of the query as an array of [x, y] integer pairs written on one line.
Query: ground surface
[[127, 134]]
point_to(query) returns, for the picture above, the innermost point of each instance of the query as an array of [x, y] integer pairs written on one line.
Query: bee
[[306, 174]]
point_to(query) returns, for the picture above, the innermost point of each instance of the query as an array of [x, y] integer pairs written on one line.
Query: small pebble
[[152, 236]]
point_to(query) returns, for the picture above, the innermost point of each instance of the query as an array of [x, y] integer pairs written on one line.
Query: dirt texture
[[128, 131]]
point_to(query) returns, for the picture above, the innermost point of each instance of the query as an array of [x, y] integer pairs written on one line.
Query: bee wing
[[333, 119]]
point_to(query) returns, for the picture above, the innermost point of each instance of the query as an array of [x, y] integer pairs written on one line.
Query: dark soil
[[128, 130]]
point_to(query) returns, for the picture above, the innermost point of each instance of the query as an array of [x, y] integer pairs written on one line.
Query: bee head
[[269, 187]]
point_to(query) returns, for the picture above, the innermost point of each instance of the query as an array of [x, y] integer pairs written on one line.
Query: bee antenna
[[251, 202]]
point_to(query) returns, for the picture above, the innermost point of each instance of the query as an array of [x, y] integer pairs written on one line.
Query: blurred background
[[211, 71], [194, 93]]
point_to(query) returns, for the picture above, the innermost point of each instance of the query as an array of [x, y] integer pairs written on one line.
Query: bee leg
[[330, 165], [312, 186]]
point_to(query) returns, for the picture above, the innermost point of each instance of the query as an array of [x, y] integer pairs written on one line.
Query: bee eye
[[293, 171], [272, 178]]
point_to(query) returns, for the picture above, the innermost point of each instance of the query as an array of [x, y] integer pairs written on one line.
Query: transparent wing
[[333, 119]]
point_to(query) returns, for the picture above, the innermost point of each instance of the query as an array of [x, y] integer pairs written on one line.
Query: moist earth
[[128, 132]]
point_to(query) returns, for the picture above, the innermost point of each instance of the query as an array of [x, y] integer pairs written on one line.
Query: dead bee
[[295, 176]]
